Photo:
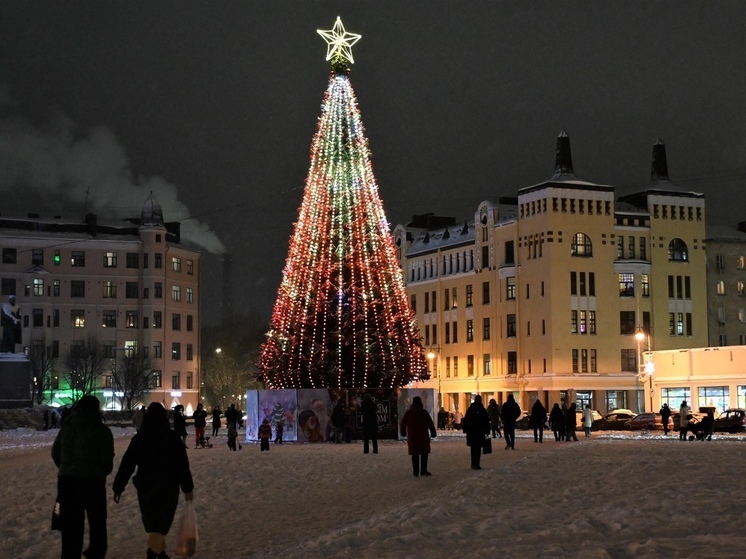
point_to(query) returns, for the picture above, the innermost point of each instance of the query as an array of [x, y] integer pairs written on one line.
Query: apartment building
[[726, 277], [127, 286], [556, 293]]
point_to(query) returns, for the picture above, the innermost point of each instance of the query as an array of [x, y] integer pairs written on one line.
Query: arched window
[[581, 245], [677, 251]]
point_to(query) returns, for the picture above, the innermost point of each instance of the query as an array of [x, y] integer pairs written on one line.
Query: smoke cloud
[[61, 167]]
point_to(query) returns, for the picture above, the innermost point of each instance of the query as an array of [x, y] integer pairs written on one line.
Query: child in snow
[[265, 433]]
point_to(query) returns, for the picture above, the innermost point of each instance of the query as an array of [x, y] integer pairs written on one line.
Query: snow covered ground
[[610, 496]]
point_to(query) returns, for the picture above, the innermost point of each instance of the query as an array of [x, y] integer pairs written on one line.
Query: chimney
[[659, 171], [563, 158]]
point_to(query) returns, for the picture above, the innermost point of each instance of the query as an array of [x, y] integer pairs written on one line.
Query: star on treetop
[[339, 41]]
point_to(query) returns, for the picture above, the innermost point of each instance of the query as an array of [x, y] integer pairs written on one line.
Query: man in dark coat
[[538, 419], [509, 413], [162, 469], [200, 422], [84, 453], [665, 416], [571, 421], [476, 425], [418, 427], [370, 424], [180, 423]]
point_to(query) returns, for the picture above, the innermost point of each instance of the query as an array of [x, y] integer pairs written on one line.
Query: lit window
[[581, 245], [176, 293], [110, 260], [176, 264]]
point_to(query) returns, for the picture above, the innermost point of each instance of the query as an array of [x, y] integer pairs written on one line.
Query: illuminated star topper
[[339, 41]]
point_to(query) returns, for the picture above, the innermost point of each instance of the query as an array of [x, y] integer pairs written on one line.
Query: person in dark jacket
[[216, 413], [476, 425], [509, 413], [84, 453], [665, 416], [571, 422], [538, 419], [370, 424], [180, 423], [200, 422], [162, 469], [338, 420], [557, 422], [493, 410], [418, 427], [265, 433]]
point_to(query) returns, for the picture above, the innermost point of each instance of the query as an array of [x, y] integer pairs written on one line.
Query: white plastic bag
[[186, 542]]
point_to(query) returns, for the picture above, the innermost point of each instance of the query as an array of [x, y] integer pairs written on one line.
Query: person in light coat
[[684, 412], [587, 420]]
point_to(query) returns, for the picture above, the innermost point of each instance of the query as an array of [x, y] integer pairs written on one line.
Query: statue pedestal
[[15, 380]]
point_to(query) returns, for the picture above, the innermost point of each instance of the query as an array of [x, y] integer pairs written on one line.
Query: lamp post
[[646, 371], [436, 372]]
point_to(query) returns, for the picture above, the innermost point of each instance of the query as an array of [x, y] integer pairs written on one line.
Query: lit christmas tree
[[342, 316]]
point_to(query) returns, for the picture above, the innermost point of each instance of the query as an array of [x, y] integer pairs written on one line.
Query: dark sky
[[212, 105]]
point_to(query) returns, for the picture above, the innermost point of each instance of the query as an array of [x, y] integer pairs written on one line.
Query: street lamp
[[646, 371], [434, 371]]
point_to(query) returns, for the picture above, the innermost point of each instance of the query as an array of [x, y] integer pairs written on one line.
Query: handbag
[[186, 542], [56, 517], [487, 446]]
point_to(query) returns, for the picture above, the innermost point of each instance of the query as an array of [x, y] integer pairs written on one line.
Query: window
[[721, 287], [77, 259], [455, 332], [583, 322], [470, 365], [629, 360], [158, 290], [176, 264], [130, 319], [157, 319], [38, 287], [448, 332], [155, 379], [157, 350], [455, 366], [574, 322], [740, 288], [592, 284], [620, 247], [593, 361], [175, 321], [132, 290], [77, 318], [627, 322], [486, 293], [643, 249], [574, 360], [189, 353], [190, 267], [645, 285], [486, 328], [37, 257], [8, 286], [469, 295], [132, 260], [631, 247], [626, 285], [176, 294], [447, 296], [77, 288], [510, 294], [57, 258], [110, 290], [485, 256], [189, 323], [176, 381], [158, 257], [9, 256], [109, 319], [591, 322], [110, 260], [38, 318], [175, 351], [56, 288], [469, 330], [512, 363], [453, 298], [573, 283], [677, 251], [487, 361], [581, 245], [189, 381], [56, 318], [511, 331], [581, 277], [427, 302], [719, 262]]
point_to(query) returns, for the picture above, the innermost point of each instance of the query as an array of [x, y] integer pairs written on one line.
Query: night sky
[[212, 105]]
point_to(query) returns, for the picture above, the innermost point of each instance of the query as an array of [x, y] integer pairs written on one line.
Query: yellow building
[[541, 295], [131, 286]]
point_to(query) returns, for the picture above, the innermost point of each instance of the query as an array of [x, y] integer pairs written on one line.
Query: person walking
[[493, 411], [200, 422], [180, 423], [509, 413], [587, 420], [665, 417], [370, 424], [557, 421], [684, 412], [83, 452], [216, 413], [571, 422], [162, 465], [418, 427], [538, 419], [476, 426]]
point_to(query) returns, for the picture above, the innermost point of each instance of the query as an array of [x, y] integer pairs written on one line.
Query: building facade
[[726, 278], [555, 293], [127, 288]]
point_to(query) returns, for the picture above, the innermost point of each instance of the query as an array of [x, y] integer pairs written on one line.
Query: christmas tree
[[342, 316]]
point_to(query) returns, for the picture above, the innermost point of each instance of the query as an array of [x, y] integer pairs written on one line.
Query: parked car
[[579, 419], [731, 421], [647, 421], [615, 420]]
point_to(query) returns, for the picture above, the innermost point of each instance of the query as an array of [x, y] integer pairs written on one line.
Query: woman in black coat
[[476, 425], [162, 469], [571, 421], [557, 422]]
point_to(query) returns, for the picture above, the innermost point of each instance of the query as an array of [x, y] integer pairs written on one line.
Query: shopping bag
[[56, 518], [487, 446], [186, 542]]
